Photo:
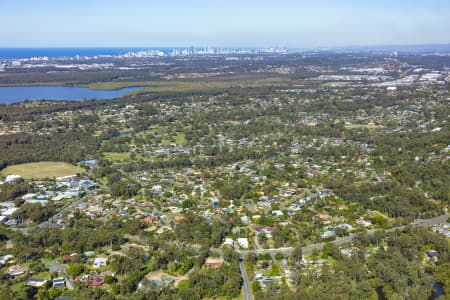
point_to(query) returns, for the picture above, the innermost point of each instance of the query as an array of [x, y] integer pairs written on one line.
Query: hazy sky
[[260, 23]]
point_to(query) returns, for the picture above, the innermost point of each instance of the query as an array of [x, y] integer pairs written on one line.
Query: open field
[[116, 156], [336, 83], [193, 85], [363, 126], [180, 86], [56, 83], [160, 133], [42, 170], [178, 139]]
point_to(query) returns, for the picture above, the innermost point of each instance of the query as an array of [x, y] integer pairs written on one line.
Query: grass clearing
[[161, 134], [180, 139], [225, 81], [191, 85], [116, 156], [336, 83], [42, 275], [44, 169], [363, 126], [152, 130]]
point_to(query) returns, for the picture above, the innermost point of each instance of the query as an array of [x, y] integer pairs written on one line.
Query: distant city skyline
[[232, 23]]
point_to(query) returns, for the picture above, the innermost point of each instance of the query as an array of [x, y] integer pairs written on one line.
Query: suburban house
[[243, 243], [35, 282], [16, 270], [59, 282], [99, 262]]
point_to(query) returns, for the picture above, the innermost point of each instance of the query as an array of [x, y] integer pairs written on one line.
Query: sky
[[225, 23]]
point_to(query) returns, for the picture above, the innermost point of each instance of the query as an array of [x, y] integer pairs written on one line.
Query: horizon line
[[246, 47]]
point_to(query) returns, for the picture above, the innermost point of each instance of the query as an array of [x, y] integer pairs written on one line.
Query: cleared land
[[363, 126], [176, 85], [116, 156], [336, 83], [42, 170], [162, 276], [194, 85]]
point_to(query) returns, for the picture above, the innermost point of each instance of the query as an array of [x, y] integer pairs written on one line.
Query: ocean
[[17, 53], [10, 53]]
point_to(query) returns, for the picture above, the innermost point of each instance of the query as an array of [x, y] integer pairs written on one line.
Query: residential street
[[247, 286], [309, 248]]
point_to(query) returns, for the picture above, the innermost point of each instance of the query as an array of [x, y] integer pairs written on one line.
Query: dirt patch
[[162, 276]]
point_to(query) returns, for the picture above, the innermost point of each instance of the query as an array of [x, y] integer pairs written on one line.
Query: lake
[[22, 93]]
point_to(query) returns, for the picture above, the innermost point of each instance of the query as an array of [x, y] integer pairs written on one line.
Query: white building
[[4, 259], [344, 226], [243, 243], [278, 213], [11, 178], [245, 220], [8, 211], [327, 234], [228, 242], [99, 262]]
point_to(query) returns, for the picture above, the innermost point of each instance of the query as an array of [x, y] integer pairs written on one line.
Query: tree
[[442, 275], [297, 254], [230, 255], [326, 250], [251, 258], [341, 232], [75, 269]]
